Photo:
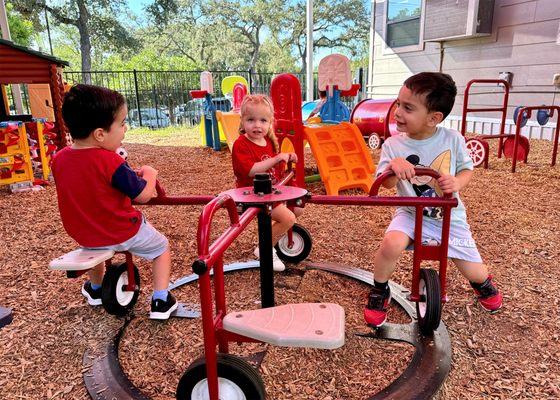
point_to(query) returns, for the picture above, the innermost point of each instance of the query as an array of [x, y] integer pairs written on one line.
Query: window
[[403, 22]]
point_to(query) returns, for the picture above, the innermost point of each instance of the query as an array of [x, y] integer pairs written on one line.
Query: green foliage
[[266, 35], [21, 29]]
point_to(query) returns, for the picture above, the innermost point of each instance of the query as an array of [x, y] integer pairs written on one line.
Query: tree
[[21, 29], [216, 34], [95, 21], [337, 24]]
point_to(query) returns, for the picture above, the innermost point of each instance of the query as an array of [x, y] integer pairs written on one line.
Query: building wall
[[525, 40]]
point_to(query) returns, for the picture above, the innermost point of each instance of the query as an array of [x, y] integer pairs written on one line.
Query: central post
[[262, 185]]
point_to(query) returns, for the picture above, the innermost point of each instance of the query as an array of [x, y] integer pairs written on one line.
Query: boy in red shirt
[[96, 187]]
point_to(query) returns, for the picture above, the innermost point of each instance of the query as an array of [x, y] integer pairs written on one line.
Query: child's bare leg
[[282, 220], [394, 243], [96, 274], [161, 269], [489, 297], [473, 271]]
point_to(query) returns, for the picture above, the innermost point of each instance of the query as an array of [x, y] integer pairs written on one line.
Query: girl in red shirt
[[256, 151]]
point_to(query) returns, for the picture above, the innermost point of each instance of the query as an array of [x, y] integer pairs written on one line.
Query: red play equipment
[[121, 283], [516, 147], [26, 66], [376, 120], [220, 374], [478, 146]]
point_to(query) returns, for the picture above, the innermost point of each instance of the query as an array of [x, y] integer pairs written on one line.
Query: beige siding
[[523, 41]]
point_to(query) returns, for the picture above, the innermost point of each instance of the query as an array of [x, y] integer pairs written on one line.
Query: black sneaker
[[93, 296], [163, 309]]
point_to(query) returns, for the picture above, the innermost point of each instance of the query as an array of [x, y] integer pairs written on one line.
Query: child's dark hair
[[439, 88], [322, 93], [88, 107]]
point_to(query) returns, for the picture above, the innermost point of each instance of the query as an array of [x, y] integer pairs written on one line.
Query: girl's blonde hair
[[254, 99]]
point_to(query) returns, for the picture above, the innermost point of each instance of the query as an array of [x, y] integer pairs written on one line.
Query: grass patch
[[170, 136]]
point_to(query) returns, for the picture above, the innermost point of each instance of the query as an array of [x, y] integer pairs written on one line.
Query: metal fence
[[157, 99]]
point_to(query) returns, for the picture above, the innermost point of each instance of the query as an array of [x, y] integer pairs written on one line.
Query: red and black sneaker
[[375, 312], [489, 297]]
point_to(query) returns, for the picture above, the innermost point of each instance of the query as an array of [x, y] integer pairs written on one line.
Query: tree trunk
[[85, 41]]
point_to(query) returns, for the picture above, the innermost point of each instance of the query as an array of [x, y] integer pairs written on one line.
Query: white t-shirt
[[444, 152]]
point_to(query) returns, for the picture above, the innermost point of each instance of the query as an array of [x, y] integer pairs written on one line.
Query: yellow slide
[[229, 123]]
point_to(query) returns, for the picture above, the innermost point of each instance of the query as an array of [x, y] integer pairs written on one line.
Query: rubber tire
[[429, 317], [286, 254], [230, 367], [109, 296], [374, 141]]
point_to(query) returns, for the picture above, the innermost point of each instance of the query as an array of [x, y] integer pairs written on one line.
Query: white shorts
[[148, 243], [461, 243]]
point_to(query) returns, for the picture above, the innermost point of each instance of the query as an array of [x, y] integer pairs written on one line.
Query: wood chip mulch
[[515, 219]]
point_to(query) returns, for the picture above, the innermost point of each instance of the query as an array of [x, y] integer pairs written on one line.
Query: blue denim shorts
[[148, 243]]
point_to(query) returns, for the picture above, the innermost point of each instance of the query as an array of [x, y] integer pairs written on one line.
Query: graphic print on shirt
[[426, 186]]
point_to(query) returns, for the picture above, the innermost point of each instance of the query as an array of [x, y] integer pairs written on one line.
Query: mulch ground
[[512, 354]]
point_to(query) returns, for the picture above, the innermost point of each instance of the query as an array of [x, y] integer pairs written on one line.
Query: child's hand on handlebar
[[286, 157], [402, 168], [147, 171], [448, 183]]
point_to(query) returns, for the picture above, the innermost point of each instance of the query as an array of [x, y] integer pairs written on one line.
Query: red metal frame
[[421, 252], [211, 257], [526, 111], [502, 109]]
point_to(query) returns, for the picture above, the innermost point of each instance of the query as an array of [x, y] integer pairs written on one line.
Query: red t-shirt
[[95, 209], [245, 154]]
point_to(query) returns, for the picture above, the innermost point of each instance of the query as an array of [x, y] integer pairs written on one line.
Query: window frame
[[403, 49]]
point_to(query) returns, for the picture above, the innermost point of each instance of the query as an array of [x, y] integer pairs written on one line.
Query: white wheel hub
[[374, 141], [477, 152], [123, 297], [297, 246], [422, 305], [228, 390]]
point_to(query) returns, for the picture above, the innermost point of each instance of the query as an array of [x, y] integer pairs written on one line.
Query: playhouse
[[43, 75]]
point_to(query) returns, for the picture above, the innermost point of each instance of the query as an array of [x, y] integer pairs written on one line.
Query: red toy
[[221, 374]]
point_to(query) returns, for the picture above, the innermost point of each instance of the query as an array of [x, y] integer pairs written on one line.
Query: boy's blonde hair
[[254, 99]]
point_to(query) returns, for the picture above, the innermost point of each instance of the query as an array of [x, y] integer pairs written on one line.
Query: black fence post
[[137, 97], [251, 80]]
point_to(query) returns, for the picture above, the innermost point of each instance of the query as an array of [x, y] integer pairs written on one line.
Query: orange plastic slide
[[343, 159]]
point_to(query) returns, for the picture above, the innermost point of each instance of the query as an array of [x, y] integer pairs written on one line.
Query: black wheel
[[237, 380], [428, 309], [300, 249], [115, 299]]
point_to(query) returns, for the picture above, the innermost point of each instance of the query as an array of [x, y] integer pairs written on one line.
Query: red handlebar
[[419, 171]]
